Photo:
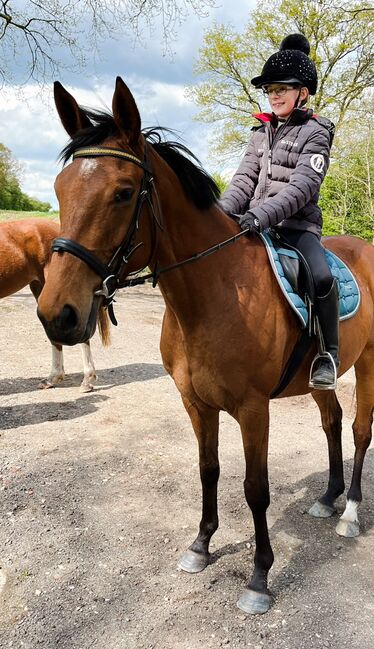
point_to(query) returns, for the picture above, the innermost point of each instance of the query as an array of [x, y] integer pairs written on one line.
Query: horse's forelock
[[103, 126]]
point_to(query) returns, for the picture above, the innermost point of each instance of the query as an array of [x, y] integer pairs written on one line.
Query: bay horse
[[25, 251], [129, 200]]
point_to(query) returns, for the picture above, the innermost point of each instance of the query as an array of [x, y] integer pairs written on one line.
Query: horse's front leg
[[254, 424], [205, 424], [57, 372], [89, 372]]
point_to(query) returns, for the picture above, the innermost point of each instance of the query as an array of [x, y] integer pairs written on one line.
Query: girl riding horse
[[277, 183]]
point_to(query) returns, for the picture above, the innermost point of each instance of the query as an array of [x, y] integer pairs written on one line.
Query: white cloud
[[32, 130], [30, 127]]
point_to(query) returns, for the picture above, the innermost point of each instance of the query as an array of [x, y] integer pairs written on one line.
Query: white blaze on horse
[[227, 331], [25, 252]]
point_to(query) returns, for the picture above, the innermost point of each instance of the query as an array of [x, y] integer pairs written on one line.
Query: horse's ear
[[125, 112], [72, 116]]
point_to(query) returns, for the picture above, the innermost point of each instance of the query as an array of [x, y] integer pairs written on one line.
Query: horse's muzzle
[[67, 327]]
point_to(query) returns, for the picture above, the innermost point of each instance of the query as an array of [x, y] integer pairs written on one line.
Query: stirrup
[[323, 386]]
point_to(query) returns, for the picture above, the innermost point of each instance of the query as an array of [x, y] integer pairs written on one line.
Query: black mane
[[197, 184]]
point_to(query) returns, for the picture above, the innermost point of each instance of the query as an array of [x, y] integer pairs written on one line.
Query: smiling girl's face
[[282, 98]]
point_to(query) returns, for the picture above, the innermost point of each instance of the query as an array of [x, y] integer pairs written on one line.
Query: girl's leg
[[327, 305]]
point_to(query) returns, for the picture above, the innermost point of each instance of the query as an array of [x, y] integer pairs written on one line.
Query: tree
[[342, 45], [34, 35], [348, 191], [11, 195]]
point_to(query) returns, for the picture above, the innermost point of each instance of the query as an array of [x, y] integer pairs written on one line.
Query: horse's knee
[[209, 475]]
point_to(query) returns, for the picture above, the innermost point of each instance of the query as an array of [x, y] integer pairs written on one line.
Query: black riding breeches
[[311, 248]]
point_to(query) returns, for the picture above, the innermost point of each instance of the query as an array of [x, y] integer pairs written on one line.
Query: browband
[[94, 152]]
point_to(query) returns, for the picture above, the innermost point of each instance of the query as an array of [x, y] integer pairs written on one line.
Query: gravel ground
[[100, 495]]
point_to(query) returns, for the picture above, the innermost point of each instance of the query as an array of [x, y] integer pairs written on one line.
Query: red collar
[[264, 117], [298, 114]]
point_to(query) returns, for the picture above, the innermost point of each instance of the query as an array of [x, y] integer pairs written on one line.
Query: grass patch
[[12, 215]]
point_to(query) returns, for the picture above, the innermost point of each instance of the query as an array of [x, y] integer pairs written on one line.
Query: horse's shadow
[[305, 541], [31, 414], [106, 378]]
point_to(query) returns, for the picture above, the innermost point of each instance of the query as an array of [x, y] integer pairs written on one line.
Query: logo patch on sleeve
[[317, 162]]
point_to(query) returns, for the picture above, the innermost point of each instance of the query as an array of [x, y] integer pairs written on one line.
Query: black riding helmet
[[290, 65]]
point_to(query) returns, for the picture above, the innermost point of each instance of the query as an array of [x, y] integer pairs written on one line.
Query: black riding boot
[[324, 374]]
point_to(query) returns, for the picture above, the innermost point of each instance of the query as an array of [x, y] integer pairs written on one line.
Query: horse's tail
[[104, 326]]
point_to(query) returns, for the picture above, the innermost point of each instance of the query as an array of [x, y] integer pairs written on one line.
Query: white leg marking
[[88, 368], [348, 525], [57, 370]]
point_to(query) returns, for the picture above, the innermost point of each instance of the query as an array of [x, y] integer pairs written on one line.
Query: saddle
[[296, 282]]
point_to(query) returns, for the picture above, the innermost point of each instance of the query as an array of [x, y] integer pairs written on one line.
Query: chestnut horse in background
[[128, 200], [25, 251]]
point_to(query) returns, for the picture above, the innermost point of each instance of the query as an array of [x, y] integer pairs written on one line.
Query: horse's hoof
[[193, 562], [319, 510], [45, 385], [86, 387], [51, 381], [253, 602], [349, 529]]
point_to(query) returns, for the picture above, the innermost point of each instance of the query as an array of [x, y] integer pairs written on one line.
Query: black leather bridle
[[112, 272]]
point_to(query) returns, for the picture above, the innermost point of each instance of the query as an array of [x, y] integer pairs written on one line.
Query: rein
[[111, 273]]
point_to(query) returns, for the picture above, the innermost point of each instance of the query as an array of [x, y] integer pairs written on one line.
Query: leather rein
[[111, 272]]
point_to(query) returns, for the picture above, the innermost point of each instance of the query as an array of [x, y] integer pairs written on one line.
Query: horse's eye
[[123, 195]]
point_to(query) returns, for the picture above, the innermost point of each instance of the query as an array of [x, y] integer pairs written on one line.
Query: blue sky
[[30, 128]]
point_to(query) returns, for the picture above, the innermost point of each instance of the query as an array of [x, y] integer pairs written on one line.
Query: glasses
[[280, 91]]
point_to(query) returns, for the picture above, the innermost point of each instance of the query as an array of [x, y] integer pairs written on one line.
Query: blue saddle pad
[[349, 293]]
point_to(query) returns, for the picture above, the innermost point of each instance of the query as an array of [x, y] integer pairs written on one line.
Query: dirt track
[[100, 495]]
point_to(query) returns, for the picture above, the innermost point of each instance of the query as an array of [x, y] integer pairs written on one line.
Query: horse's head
[[104, 200]]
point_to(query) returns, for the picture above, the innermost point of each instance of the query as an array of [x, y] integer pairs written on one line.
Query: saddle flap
[[296, 281]]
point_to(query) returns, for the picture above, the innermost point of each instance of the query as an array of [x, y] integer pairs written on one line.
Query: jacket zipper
[[271, 147], [269, 164]]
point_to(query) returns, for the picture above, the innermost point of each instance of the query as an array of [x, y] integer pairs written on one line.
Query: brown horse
[[25, 251], [128, 200]]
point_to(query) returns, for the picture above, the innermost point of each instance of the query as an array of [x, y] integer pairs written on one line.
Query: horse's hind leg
[[205, 424], [331, 417], [364, 368]]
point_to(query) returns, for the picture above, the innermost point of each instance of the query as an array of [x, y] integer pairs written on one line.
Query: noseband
[[111, 273]]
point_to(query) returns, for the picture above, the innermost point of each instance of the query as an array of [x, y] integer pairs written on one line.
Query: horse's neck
[[192, 289]]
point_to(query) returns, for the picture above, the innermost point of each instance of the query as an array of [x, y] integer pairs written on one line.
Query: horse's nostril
[[68, 319]]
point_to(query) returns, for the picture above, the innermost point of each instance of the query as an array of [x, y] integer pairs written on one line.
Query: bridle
[[112, 272]]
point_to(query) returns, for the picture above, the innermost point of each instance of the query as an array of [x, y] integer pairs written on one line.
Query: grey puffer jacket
[[280, 175]]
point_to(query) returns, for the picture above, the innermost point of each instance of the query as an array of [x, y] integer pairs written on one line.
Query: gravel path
[[100, 495]]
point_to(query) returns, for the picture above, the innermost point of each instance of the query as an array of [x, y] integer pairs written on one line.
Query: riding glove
[[249, 222]]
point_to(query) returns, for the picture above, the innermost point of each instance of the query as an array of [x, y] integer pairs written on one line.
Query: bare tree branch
[[33, 34]]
